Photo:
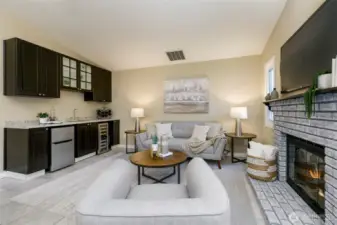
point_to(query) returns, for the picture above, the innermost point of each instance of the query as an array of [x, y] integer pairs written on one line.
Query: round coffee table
[[143, 160]]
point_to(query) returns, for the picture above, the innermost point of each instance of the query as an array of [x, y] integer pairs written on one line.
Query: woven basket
[[261, 169]]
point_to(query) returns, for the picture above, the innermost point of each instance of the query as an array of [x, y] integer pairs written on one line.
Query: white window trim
[[270, 64]]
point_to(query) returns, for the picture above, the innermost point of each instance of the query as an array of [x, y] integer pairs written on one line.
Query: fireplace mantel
[[322, 91]]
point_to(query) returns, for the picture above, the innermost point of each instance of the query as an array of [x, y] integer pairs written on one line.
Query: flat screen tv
[[310, 50]]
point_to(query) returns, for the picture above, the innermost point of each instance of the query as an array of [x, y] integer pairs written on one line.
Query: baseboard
[[20, 176], [123, 146], [84, 157]]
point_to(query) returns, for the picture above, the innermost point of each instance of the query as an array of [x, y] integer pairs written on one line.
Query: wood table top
[[134, 132], [243, 136], [144, 159]]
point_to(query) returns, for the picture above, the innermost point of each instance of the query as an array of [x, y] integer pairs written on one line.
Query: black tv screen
[[311, 49]]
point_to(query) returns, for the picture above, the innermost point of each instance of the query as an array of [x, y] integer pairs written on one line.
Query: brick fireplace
[[321, 130]]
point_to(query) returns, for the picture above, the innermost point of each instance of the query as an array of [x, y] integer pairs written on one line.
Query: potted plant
[[43, 117], [321, 81]]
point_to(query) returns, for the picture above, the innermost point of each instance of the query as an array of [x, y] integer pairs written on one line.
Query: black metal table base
[[156, 180], [237, 160], [234, 159], [126, 146]]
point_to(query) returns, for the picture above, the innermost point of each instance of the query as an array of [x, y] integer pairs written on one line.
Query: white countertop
[[36, 124]]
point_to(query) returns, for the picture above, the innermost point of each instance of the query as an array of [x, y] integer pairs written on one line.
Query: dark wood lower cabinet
[[26, 150], [114, 135], [86, 139]]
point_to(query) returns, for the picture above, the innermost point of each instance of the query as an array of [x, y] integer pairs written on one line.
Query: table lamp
[[238, 113], [137, 113]]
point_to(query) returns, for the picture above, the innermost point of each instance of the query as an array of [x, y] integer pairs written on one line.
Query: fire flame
[[315, 174]]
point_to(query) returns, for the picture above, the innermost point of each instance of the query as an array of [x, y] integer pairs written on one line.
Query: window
[[270, 85]]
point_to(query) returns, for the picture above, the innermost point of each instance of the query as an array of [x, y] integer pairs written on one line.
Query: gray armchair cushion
[[148, 192]]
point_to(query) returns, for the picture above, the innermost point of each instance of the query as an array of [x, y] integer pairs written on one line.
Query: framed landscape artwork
[[190, 95]]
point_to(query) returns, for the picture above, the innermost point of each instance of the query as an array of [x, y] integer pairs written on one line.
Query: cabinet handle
[[44, 94], [39, 94], [62, 142]]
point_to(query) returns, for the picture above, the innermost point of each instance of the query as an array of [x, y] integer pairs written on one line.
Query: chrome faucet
[[74, 114]]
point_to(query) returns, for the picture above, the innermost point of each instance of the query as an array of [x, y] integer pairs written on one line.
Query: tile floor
[[282, 205]]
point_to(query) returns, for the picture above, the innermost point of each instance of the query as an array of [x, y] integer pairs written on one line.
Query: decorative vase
[[268, 97], [324, 81], [153, 150], [43, 120], [274, 94], [164, 144]]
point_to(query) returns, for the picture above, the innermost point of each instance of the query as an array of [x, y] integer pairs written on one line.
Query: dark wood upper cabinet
[[101, 86], [106, 90], [85, 72], [76, 75], [30, 70], [49, 85], [69, 73]]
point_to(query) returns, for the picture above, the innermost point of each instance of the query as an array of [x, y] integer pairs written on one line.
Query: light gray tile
[[272, 218], [285, 222], [37, 217], [266, 205], [13, 211], [280, 213]]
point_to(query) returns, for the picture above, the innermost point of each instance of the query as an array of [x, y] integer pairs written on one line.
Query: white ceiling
[[128, 34]]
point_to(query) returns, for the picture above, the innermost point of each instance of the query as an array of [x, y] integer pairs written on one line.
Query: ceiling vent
[[175, 55]]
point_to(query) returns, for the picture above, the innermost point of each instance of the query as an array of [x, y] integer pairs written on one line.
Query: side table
[[132, 132], [244, 136]]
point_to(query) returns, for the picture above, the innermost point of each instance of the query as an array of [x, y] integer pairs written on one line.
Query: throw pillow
[[200, 132], [164, 129], [150, 130], [214, 129]]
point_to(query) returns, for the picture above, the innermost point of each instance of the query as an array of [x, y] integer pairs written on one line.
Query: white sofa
[[112, 200]]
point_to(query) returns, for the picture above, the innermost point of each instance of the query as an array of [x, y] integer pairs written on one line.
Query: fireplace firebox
[[305, 172]]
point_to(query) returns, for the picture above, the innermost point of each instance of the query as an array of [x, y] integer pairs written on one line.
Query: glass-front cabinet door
[[85, 81], [69, 72]]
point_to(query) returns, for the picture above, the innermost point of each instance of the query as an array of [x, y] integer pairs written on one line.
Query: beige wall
[[296, 12], [233, 82], [20, 108]]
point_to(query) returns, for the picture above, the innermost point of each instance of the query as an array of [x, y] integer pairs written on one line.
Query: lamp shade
[[239, 112], [137, 112]]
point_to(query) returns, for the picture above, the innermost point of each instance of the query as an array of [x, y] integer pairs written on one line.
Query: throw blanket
[[196, 146]]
